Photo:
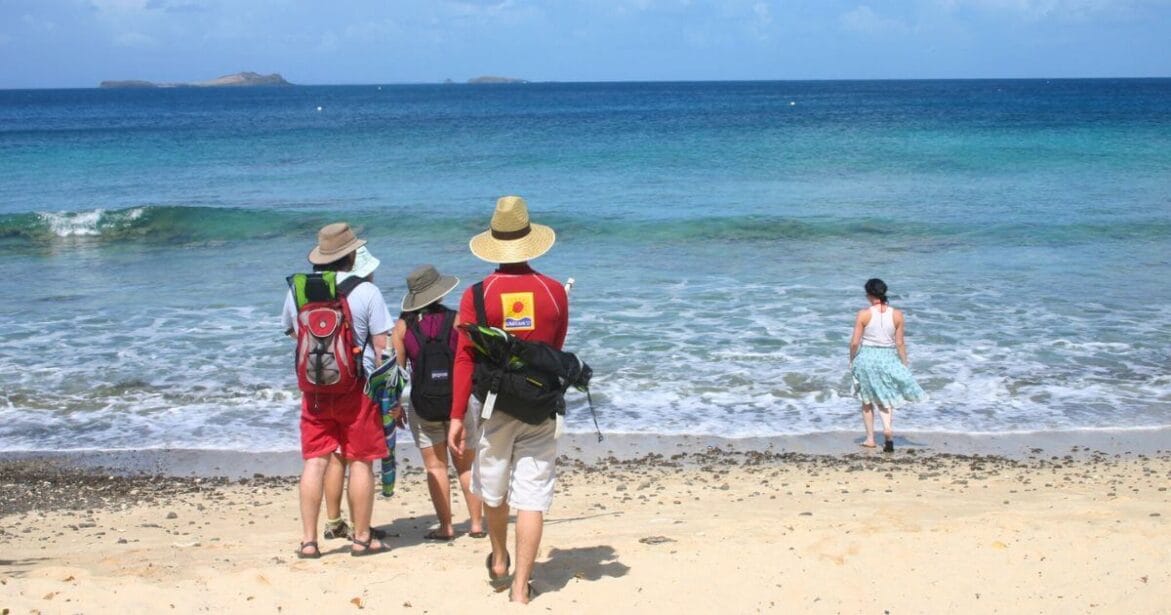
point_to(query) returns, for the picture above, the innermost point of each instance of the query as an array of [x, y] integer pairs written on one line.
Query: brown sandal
[[301, 554], [366, 548]]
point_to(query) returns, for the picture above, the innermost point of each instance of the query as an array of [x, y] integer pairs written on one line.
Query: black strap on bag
[[478, 299]]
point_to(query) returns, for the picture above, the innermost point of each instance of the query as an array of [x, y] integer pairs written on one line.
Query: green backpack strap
[[313, 287]]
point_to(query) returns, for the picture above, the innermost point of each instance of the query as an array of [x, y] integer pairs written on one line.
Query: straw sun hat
[[334, 241], [426, 286], [511, 238]]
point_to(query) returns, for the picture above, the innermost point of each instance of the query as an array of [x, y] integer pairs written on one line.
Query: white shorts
[[514, 460]]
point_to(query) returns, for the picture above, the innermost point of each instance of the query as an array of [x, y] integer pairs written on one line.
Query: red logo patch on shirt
[[519, 310]]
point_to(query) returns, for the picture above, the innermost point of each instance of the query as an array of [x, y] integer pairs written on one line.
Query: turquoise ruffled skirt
[[880, 378]]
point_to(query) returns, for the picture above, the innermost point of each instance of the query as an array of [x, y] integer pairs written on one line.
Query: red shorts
[[350, 422]]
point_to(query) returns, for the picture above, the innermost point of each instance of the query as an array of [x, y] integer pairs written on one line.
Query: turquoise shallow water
[[720, 234]]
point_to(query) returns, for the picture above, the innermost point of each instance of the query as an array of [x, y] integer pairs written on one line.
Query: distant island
[[237, 80], [492, 79]]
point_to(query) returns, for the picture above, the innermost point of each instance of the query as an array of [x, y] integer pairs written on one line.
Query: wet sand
[[725, 529]]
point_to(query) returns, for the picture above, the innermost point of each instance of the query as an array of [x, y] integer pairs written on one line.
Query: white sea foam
[[88, 223], [688, 358]]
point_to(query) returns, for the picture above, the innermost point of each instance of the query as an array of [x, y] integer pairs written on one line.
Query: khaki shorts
[[514, 461], [429, 433]]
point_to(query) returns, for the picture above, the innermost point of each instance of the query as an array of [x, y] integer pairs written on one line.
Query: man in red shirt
[[514, 463]]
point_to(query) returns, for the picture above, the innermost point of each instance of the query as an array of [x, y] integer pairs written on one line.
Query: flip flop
[[366, 548], [868, 445], [499, 583], [477, 534], [435, 535], [301, 554], [532, 592]]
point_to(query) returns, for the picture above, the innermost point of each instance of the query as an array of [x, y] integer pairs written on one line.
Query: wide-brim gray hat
[[512, 238], [425, 285]]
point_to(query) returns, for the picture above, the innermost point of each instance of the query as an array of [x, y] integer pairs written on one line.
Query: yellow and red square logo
[[519, 311]]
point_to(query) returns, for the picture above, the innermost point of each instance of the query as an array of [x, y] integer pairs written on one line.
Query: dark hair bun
[[876, 288]]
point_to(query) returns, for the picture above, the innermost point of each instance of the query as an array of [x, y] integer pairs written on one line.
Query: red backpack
[[328, 360]]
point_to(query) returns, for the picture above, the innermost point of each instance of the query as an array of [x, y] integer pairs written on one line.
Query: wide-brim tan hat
[[425, 286], [334, 241], [511, 237]]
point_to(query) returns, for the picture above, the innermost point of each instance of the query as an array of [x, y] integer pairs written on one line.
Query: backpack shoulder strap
[[312, 287], [448, 322], [347, 286], [478, 296], [344, 288]]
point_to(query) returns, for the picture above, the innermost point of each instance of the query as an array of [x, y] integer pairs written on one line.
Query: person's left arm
[[378, 342]]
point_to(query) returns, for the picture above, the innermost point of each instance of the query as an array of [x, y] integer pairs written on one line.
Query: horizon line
[[521, 81]]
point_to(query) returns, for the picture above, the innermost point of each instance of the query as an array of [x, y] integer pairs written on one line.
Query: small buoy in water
[[319, 108], [379, 88], [792, 103]]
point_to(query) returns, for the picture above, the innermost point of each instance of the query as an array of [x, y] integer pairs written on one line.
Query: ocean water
[[719, 233]]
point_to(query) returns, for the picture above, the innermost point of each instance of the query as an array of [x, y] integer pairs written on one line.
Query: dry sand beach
[[715, 531]]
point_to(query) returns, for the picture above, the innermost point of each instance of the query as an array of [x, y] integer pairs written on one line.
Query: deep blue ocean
[[719, 233]]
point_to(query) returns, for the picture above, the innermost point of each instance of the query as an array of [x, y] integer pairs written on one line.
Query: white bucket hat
[[364, 263]]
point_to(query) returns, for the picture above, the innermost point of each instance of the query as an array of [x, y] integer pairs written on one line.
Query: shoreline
[[583, 447], [758, 531]]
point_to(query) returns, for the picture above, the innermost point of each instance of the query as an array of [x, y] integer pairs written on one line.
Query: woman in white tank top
[[878, 362]]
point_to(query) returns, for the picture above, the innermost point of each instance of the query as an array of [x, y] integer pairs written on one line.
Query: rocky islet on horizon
[[235, 80], [495, 79]]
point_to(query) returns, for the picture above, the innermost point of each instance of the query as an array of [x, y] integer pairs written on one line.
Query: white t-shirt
[[367, 307]]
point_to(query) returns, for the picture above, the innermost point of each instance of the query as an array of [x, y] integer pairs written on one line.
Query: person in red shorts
[[348, 422], [514, 463]]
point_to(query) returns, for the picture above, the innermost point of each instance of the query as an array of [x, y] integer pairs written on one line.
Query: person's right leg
[[531, 494], [435, 462], [335, 481], [529, 528], [312, 480], [868, 421]]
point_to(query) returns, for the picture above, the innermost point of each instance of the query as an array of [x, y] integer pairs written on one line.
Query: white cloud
[[864, 19], [1052, 9], [763, 20], [38, 24], [134, 39], [374, 30], [120, 5]]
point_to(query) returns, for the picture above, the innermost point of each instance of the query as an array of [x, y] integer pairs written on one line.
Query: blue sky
[[77, 43]]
